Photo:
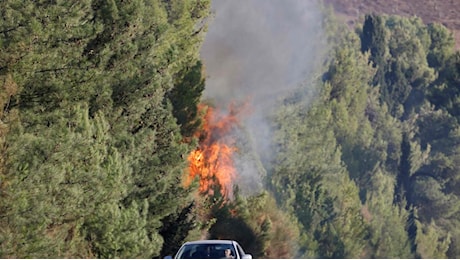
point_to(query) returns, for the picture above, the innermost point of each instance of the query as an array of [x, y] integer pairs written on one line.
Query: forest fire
[[212, 161]]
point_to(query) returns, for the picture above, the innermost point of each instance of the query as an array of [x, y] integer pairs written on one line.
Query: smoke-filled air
[[256, 53]]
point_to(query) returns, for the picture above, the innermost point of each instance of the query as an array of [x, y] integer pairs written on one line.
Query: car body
[[210, 249]]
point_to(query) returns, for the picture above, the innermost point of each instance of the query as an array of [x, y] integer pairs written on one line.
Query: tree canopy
[[99, 112]]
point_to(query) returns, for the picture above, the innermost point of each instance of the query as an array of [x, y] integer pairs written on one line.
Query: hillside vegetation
[[99, 112], [91, 143], [444, 12]]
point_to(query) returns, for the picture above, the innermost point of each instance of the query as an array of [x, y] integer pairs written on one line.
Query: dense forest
[[101, 107]]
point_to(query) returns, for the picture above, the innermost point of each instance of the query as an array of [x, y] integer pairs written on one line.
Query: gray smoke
[[262, 50]]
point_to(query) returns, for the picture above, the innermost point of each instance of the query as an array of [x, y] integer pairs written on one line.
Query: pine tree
[[432, 241], [70, 175], [88, 82], [374, 39], [441, 47], [185, 97], [387, 222]]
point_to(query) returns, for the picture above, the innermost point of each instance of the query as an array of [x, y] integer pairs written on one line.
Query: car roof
[[212, 241]]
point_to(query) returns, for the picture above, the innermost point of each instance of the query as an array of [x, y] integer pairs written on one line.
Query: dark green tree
[[185, 97], [374, 39], [398, 48], [441, 48], [444, 93], [70, 177]]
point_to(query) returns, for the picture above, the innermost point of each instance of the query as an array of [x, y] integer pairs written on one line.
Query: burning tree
[[212, 162]]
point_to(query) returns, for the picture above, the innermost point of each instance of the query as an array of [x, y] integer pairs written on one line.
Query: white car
[[211, 249]]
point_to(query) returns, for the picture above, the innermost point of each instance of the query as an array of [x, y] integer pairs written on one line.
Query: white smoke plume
[[262, 50]]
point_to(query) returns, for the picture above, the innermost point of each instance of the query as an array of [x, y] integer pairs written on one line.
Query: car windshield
[[205, 251]]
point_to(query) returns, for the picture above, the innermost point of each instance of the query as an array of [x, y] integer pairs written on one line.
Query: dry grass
[[446, 12]]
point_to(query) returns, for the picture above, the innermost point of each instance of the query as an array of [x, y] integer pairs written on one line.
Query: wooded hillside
[[444, 12], [101, 110]]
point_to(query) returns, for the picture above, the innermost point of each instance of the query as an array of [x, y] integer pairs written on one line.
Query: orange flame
[[212, 161]]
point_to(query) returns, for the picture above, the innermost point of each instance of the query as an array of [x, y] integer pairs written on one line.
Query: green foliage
[[399, 47], [71, 174], [387, 222], [118, 232], [424, 106], [185, 97], [374, 39], [347, 88], [426, 168], [304, 155], [277, 232], [305, 179], [432, 242], [441, 47], [400, 150], [434, 184], [94, 156], [98, 101], [444, 93], [349, 224], [175, 229]]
